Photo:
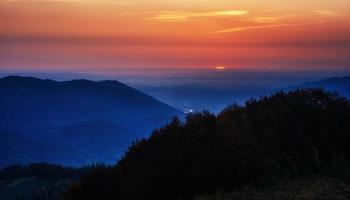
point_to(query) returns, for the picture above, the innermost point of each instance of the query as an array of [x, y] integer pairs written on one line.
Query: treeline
[[46, 171], [283, 136], [40, 181]]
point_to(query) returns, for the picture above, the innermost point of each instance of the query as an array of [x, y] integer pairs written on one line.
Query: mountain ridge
[[339, 84], [107, 114]]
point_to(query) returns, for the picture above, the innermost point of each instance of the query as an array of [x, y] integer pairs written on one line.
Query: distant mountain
[[98, 141], [32, 103], [338, 84], [79, 116], [16, 148]]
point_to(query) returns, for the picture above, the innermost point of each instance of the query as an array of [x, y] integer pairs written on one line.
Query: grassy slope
[[314, 188], [32, 188]]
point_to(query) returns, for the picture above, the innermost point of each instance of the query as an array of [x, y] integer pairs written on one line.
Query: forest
[[284, 137]]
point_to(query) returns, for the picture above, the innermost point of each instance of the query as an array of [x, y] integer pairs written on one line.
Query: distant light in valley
[[188, 110]]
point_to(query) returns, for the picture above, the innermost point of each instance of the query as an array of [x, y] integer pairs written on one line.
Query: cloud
[[246, 28], [176, 16], [143, 41], [266, 19], [80, 1], [325, 12]]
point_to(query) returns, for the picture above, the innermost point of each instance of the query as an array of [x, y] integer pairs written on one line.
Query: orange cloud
[[72, 1], [115, 33], [183, 15], [246, 28], [325, 12]]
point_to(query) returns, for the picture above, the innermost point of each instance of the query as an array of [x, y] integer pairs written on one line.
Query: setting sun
[[220, 67]]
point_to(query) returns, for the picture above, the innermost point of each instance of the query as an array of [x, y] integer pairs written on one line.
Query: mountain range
[[340, 85], [81, 122], [73, 122]]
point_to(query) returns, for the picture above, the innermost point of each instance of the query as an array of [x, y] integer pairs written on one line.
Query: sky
[[168, 34]]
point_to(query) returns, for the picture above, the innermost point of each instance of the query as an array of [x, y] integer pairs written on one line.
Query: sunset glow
[[220, 67], [94, 34]]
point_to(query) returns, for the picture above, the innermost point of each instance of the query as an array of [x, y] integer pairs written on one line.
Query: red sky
[[132, 34]]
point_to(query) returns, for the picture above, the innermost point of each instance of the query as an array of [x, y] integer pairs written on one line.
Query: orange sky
[[90, 34]]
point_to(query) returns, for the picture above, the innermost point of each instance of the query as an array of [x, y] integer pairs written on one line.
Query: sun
[[220, 67]]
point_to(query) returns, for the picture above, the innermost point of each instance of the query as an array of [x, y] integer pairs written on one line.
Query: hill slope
[[29, 103], [338, 84], [79, 116], [313, 188], [16, 148], [279, 137]]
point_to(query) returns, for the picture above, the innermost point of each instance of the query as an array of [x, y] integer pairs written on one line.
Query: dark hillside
[[280, 137]]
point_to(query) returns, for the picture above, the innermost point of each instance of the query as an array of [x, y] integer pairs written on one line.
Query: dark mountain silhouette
[[79, 116]]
